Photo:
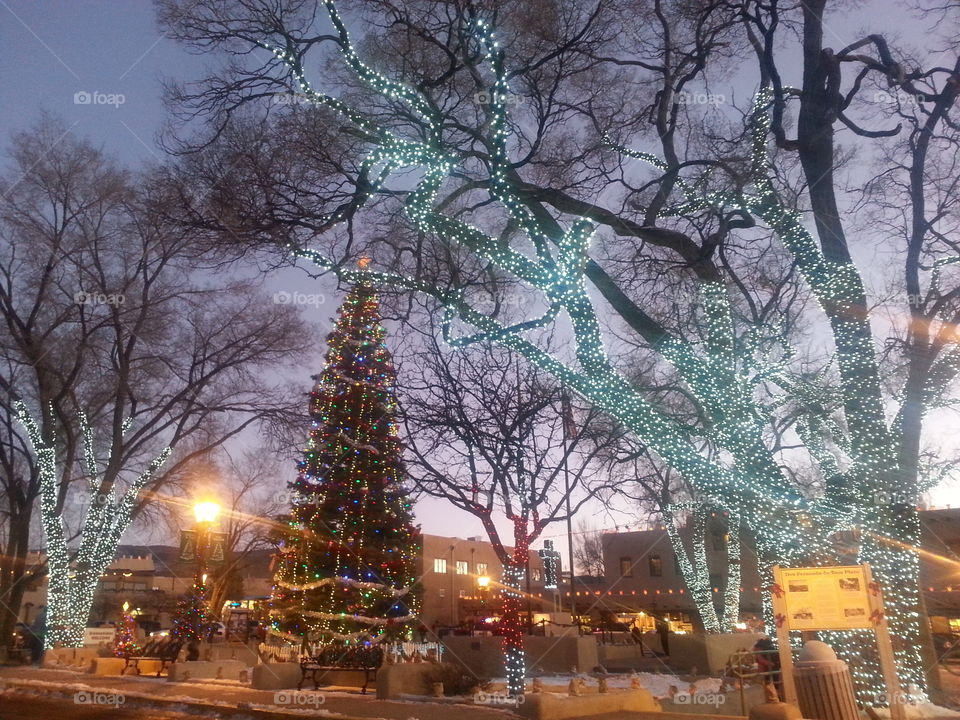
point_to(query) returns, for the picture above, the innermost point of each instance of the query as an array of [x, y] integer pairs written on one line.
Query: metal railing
[[760, 667]]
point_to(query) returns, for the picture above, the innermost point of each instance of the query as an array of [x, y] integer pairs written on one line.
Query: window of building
[[462, 593], [462, 567], [535, 574], [656, 566], [440, 565], [481, 568], [626, 567], [441, 592]]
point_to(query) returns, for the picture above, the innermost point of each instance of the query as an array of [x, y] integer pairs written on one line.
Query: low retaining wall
[[626, 657], [275, 676], [552, 706], [108, 666], [232, 651], [206, 670], [72, 657], [405, 679], [707, 653], [484, 656], [282, 676]]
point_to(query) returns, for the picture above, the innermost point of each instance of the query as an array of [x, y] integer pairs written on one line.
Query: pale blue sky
[[54, 49]]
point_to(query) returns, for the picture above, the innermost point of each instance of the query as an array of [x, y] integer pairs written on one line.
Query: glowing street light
[[483, 581], [206, 512]]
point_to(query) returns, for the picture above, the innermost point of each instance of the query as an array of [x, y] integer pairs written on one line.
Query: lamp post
[[206, 514], [483, 582]]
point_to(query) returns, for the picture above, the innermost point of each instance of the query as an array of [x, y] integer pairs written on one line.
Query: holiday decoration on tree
[[737, 372], [125, 641], [192, 622], [347, 566]]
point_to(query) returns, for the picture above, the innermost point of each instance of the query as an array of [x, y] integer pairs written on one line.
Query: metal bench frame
[[164, 652]]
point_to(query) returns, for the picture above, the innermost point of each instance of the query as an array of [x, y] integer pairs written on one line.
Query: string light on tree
[[73, 578], [346, 572], [723, 373]]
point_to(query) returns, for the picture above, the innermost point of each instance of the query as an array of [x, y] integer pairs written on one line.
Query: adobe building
[[460, 580], [642, 573]]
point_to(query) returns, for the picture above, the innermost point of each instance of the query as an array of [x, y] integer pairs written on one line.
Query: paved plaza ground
[[28, 692]]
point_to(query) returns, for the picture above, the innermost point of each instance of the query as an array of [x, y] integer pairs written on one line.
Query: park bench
[[166, 651], [359, 659]]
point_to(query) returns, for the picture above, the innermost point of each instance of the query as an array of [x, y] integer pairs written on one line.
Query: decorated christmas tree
[[348, 560], [191, 621], [125, 641]]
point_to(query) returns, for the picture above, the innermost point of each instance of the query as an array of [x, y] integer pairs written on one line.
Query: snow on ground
[[926, 711], [658, 684]]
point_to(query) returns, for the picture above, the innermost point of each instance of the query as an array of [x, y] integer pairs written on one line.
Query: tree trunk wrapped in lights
[[512, 620], [72, 581], [738, 374], [347, 568]]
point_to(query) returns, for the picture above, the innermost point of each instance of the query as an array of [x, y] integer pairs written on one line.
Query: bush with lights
[[192, 622], [125, 642]]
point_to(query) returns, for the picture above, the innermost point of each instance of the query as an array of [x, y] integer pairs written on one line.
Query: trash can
[[824, 685]]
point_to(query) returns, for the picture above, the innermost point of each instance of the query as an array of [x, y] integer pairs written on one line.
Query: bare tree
[[458, 183], [486, 433], [116, 351], [588, 549]]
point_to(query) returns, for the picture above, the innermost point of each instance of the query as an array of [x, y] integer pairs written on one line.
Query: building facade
[[460, 581], [642, 573]]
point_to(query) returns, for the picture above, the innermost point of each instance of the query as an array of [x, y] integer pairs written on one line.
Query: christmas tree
[[192, 621], [347, 565], [125, 641]]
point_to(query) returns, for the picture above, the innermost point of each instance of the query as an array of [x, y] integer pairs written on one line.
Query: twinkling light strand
[[72, 581], [721, 376], [346, 571]]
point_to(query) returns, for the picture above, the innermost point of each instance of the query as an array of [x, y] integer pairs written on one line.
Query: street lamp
[[483, 582], [206, 512]]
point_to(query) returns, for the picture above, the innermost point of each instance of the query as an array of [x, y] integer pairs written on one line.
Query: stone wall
[[484, 656], [553, 706], [405, 679], [707, 653]]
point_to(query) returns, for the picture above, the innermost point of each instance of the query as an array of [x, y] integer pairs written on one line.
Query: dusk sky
[[59, 54]]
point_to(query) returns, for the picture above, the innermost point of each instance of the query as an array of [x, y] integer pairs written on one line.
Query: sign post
[[832, 598]]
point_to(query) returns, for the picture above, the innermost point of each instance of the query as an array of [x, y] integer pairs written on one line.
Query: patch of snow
[[658, 684], [923, 711]]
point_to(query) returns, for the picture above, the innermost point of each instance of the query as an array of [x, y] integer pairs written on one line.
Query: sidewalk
[[229, 698]]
